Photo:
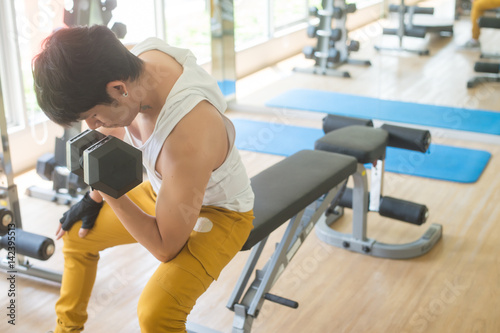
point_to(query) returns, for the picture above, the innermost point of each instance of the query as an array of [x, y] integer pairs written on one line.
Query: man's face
[[109, 116]]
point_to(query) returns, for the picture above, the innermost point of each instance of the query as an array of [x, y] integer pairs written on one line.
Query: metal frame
[[484, 78], [323, 66], [358, 241], [402, 26]]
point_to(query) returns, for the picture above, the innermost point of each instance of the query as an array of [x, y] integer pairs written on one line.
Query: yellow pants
[[478, 9], [173, 288]]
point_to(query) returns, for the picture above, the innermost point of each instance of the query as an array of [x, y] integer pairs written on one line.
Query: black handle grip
[[281, 300]]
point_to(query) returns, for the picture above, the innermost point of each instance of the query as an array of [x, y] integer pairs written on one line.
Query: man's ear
[[116, 89]]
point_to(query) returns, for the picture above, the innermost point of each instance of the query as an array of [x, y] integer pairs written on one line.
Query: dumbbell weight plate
[[112, 166], [77, 145], [308, 52]]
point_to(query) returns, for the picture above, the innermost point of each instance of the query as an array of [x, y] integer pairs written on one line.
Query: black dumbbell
[[308, 52], [313, 11], [333, 55], [353, 46], [336, 35], [338, 13], [106, 163], [311, 31], [350, 8]]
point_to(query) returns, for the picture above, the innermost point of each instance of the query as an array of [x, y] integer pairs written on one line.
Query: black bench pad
[[366, 144], [284, 189]]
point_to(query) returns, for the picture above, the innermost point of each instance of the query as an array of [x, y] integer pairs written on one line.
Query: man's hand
[[86, 210]]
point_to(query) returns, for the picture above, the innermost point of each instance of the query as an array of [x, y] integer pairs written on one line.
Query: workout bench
[[368, 145], [491, 69], [309, 189], [298, 189]]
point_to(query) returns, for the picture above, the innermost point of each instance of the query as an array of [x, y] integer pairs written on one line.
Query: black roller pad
[[332, 122], [31, 245], [6, 218], [403, 210], [489, 22], [487, 67], [408, 138]]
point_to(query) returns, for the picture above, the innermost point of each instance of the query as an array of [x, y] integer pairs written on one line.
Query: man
[[195, 211], [478, 9]]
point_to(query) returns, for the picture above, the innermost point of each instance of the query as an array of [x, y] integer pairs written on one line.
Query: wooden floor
[[454, 288]]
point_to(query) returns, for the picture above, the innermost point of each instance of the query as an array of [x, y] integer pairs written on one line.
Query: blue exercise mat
[[373, 108], [440, 162]]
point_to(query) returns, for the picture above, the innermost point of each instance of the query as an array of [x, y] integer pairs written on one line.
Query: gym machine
[[333, 47], [490, 22], [67, 188], [19, 243], [491, 69], [407, 28], [491, 72], [368, 145]]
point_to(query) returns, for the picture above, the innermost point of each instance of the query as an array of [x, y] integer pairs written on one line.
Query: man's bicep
[[181, 194]]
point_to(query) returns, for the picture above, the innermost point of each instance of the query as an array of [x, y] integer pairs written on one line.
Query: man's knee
[[162, 316]]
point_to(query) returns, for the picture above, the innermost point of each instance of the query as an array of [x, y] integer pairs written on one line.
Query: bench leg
[[297, 230]]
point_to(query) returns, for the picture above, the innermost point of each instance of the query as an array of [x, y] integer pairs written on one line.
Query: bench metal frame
[[358, 241]]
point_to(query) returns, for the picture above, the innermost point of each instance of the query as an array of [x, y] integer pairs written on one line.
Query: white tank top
[[229, 185]]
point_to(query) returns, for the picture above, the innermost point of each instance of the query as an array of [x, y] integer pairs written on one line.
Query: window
[[188, 26], [138, 18], [35, 20], [251, 22], [289, 12]]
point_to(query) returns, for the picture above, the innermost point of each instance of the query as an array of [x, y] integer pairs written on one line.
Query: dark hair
[[75, 65]]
